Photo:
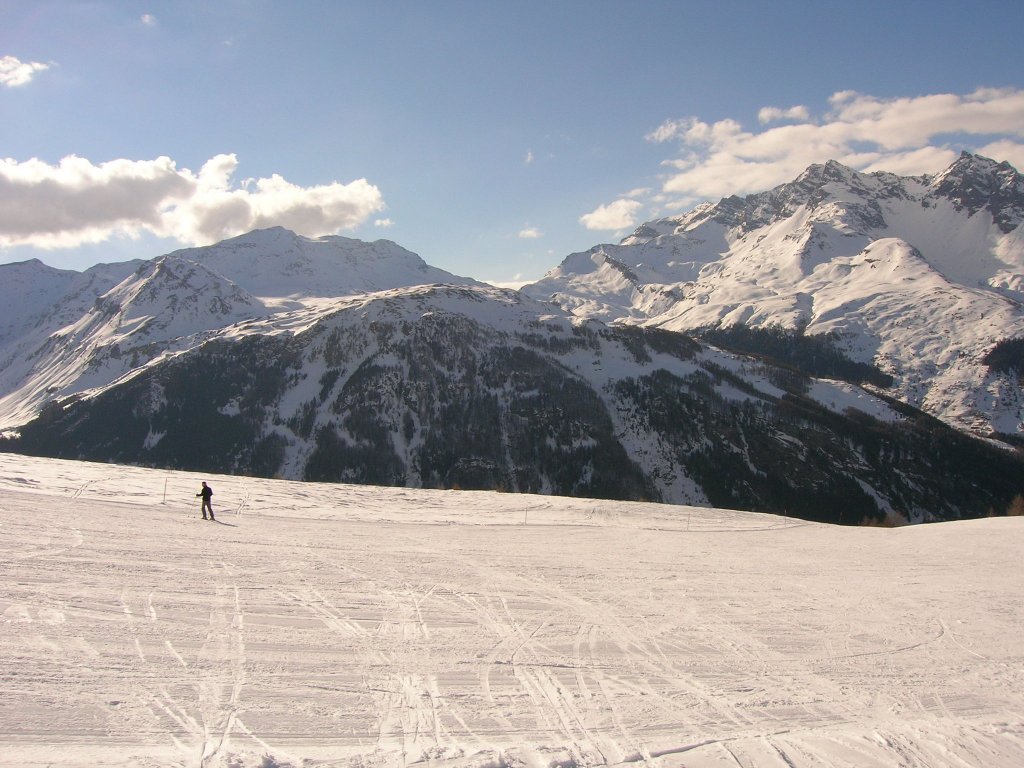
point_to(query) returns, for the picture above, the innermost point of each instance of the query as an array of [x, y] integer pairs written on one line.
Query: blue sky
[[491, 138]]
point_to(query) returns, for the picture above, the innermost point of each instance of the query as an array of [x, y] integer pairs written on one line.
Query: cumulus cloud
[[76, 202], [383, 223], [148, 20], [14, 72], [912, 135], [530, 233], [620, 214]]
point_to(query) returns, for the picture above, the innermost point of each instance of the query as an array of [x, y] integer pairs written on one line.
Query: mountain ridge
[[85, 330], [277, 263], [472, 387], [919, 276]]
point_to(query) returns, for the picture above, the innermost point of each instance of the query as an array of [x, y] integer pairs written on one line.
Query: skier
[[206, 492]]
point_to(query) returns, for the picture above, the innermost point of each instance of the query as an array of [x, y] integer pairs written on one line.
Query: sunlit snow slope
[[331, 625]]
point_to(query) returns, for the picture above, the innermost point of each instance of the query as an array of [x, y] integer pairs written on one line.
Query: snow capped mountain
[[36, 296], [919, 276], [28, 286], [39, 303], [977, 183], [69, 332], [475, 387], [277, 263]]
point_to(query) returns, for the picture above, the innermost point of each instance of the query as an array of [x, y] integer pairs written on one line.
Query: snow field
[[331, 625]]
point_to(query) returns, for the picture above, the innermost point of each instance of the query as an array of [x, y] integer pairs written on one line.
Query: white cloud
[[149, 20], [383, 223], [773, 114], [14, 72], [908, 163], [529, 157], [620, 214], [670, 129], [638, 192], [915, 135], [76, 202], [530, 233]]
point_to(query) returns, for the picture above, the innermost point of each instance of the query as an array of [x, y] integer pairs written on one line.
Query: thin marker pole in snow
[[165, 491]]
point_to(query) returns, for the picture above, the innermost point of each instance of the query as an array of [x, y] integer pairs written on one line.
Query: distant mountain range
[[822, 315]]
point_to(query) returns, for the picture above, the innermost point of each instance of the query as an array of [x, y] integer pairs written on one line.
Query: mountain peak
[[822, 173], [838, 251], [270, 236], [974, 182], [979, 170], [278, 263], [978, 161]]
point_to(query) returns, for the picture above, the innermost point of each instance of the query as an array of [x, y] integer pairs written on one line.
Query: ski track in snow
[[329, 625]]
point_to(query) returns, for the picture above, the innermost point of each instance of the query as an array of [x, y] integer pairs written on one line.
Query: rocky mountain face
[[920, 279]]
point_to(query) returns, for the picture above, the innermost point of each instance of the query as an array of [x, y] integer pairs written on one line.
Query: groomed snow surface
[[330, 625]]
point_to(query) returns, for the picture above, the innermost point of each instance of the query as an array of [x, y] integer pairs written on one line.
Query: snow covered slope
[[36, 296], [920, 276], [327, 625], [166, 305]]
